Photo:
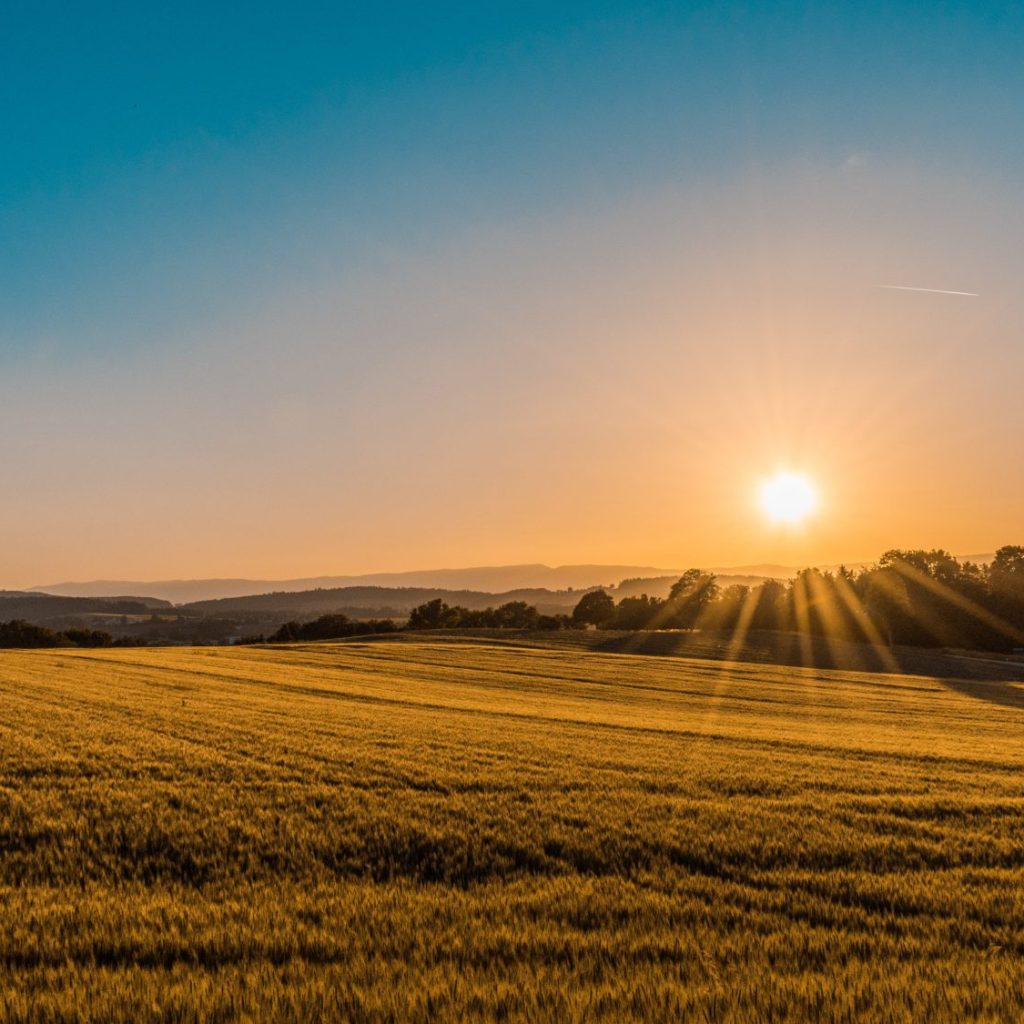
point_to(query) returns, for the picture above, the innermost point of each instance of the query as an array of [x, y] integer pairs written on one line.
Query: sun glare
[[788, 498]]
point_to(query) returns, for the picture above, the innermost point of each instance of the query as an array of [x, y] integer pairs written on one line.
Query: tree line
[[924, 598], [326, 627], [435, 614], [19, 633]]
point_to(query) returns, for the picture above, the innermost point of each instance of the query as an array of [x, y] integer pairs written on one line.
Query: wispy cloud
[[934, 291]]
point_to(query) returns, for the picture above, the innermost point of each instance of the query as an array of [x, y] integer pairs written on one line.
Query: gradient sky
[[301, 289]]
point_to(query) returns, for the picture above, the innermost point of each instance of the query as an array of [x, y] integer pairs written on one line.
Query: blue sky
[[161, 163], [270, 273]]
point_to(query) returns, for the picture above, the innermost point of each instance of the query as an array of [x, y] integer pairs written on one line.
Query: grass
[[450, 830]]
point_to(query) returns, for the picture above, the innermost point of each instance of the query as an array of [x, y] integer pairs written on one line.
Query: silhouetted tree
[[511, 615], [329, 627], [937, 564], [636, 612], [595, 608], [19, 633], [1006, 572], [429, 616], [770, 608], [516, 615], [88, 637], [689, 596], [727, 610]]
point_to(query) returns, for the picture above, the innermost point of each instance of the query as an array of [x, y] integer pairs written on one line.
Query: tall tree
[[689, 596], [595, 608]]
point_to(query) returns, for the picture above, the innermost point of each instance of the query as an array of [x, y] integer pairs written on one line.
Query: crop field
[[458, 830]]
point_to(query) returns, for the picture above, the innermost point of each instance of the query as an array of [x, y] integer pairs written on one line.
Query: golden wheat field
[[484, 831]]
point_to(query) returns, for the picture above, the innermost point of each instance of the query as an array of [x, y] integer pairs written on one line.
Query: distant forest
[[910, 597], [19, 633]]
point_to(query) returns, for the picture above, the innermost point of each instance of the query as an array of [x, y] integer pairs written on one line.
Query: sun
[[788, 498]]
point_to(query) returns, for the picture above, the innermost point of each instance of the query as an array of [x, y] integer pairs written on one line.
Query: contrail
[[934, 291]]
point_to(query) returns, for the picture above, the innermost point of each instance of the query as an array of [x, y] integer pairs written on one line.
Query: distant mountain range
[[489, 579], [500, 579]]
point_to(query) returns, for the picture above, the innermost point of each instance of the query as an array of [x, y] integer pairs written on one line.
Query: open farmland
[[466, 831]]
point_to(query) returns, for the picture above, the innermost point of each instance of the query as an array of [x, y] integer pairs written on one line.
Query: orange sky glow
[[609, 385]]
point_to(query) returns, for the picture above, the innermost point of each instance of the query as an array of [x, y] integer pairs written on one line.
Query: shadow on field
[[808, 651], [1004, 693], [990, 679]]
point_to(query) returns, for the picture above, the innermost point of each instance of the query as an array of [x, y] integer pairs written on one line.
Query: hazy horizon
[[336, 290], [500, 579]]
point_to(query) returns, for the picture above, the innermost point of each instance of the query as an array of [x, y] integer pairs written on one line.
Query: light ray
[[835, 620], [742, 627], [860, 616], [803, 622]]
